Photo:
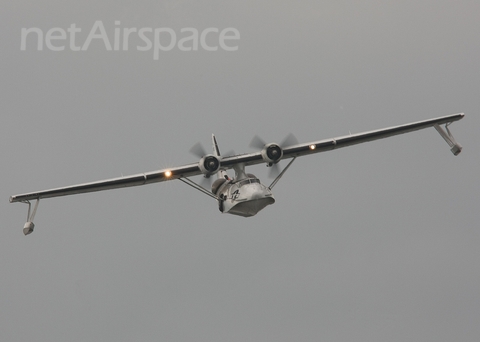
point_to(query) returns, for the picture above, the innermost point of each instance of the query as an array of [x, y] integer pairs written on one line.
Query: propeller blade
[[274, 171], [289, 141], [257, 142], [198, 150]]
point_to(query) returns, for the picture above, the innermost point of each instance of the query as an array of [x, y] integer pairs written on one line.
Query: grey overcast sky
[[376, 242]]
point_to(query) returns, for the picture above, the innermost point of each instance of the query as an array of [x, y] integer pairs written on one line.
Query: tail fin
[[216, 151]]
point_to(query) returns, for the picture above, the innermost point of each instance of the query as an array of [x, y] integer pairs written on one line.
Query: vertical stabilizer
[[216, 151]]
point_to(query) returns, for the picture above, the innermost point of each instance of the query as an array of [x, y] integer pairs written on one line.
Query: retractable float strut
[[456, 148], [28, 227]]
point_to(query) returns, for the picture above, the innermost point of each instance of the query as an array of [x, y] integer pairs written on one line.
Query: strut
[[28, 227], [456, 148]]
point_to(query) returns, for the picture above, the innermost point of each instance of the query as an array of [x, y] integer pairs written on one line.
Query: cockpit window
[[248, 181]]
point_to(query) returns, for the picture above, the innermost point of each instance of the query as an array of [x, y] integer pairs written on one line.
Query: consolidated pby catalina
[[244, 194]]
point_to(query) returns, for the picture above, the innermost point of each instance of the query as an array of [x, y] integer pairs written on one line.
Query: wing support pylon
[[198, 187], [455, 147], [281, 174]]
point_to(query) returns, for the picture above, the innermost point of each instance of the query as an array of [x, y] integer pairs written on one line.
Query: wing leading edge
[[354, 139], [247, 159], [348, 140], [114, 183]]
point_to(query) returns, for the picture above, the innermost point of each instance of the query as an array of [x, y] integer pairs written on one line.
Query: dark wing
[[343, 141], [247, 159], [114, 183]]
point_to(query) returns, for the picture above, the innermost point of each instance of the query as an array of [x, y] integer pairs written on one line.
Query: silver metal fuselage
[[245, 197]]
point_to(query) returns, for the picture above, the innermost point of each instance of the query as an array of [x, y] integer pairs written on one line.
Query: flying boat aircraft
[[244, 194]]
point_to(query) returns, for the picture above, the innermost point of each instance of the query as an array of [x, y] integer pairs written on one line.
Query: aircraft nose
[[258, 192]]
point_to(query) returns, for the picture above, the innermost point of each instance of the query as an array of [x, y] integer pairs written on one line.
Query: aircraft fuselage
[[245, 197]]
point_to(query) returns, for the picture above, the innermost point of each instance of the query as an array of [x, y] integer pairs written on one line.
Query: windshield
[[248, 181]]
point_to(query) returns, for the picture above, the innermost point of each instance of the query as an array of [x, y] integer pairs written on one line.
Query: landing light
[[312, 147], [168, 173]]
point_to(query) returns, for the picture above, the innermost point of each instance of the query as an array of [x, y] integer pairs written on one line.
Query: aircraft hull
[[247, 200]]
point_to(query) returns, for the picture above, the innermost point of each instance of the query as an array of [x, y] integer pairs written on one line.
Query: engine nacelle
[[272, 153], [209, 164]]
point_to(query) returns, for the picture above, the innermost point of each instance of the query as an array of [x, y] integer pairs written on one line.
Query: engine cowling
[[272, 153], [209, 164]]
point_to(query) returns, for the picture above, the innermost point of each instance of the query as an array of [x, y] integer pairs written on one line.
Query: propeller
[[198, 150], [259, 143], [288, 141]]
